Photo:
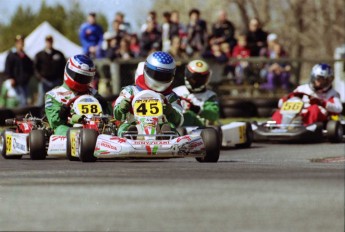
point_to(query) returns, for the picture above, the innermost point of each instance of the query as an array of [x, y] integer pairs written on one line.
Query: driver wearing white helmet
[[321, 98], [157, 74]]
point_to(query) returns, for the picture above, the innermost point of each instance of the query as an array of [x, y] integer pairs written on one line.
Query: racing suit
[[199, 108], [316, 109], [59, 96], [174, 119]]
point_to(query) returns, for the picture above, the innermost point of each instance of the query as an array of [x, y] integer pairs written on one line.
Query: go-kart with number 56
[[310, 113]]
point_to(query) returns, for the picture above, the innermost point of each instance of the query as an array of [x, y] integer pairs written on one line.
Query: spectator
[[277, 73], [196, 34], [215, 52], [256, 37], [19, 69], [134, 45], [151, 39], [122, 52], [91, 36], [177, 28], [49, 68], [166, 32], [175, 50], [116, 33], [152, 18], [124, 26], [111, 51], [223, 30], [241, 50]]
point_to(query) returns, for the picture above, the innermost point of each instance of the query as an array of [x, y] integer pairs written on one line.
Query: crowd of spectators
[[220, 42]]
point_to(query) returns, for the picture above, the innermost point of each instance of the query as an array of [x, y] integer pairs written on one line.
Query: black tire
[[249, 137], [211, 140], [5, 114], [37, 142], [3, 147], [220, 133], [334, 131], [88, 139], [68, 146], [181, 131]]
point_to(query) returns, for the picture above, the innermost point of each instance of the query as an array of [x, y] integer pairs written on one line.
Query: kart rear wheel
[[334, 131], [211, 140], [69, 147], [3, 147], [37, 142], [88, 139], [249, 137]]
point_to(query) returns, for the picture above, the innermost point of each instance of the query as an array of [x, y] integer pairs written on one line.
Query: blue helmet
[[159, 71], [79, 73], [321, 77]]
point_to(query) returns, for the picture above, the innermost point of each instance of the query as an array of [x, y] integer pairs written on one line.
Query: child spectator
[[134, 45], [241, 50]]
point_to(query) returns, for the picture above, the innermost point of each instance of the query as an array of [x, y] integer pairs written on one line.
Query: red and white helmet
[[197, 75], [79, 73]]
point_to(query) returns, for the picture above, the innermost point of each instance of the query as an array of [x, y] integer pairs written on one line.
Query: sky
[[130, 8]]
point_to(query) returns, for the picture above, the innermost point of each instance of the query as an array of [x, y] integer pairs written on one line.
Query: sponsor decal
[[186, 137], [64, 93], [196, 144], [18, 145], [118, 139], [8, 143], [108, 145], [58, 137], [148, 143]]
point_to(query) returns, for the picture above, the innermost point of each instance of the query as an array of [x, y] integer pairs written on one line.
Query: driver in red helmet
[[79, 73]]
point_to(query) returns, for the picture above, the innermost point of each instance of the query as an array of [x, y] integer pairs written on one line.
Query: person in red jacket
[[320, 99], [241, 50]]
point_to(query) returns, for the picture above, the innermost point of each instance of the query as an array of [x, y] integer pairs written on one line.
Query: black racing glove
[[64, 112], [194, 108]]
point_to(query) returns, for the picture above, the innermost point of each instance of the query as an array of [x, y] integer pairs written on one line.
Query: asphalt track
[[269, 187]]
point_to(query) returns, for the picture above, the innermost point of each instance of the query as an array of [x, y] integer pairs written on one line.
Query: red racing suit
[[318, 105]]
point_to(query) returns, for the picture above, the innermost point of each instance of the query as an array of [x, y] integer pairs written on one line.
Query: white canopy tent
[[35, 42]]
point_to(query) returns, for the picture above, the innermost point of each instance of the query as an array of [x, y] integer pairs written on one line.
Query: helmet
[[79, 73], [197, 75], [159, 71], [321, 77]]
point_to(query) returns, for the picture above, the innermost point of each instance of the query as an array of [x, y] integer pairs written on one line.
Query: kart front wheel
[[3, 146], [69, 145], [37, 142], [88, 139], [334, 131], [210, 137]]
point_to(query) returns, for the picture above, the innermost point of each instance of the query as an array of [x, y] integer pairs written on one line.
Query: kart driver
[[321, 99], [199, 103], [157, 75], [79, 73]]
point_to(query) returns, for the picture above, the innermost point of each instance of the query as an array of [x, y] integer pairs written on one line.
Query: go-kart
[[234, 134], [148, 140], [26, 136], [292, 128]]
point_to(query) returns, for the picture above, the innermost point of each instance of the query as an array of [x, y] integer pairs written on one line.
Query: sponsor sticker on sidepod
[[105, 145]]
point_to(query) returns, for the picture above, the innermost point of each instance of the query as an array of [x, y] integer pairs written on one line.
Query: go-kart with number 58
[[150, 138]]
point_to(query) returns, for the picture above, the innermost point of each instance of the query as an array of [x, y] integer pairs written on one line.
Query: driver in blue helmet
[[79, 73], [157, 75]]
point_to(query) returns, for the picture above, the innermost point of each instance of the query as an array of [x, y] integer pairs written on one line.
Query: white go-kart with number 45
[[148, 140]]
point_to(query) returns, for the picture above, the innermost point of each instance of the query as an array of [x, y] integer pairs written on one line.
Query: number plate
[[291, 107], [89, 108], [8, 143], [150, 107]]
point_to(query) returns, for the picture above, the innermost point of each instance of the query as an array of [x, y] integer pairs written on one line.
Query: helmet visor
[[158, 75], [197, 80], [79, 78]]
